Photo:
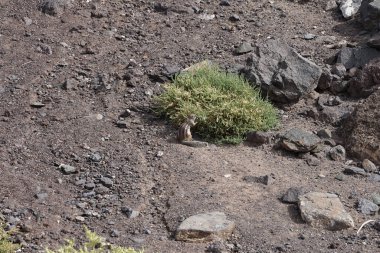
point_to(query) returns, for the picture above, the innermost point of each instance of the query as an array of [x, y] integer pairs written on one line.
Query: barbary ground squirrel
[[184, 134]]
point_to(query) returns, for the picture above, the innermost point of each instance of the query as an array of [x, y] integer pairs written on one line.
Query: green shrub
[[94, 244], [5, 245], [227, 107]]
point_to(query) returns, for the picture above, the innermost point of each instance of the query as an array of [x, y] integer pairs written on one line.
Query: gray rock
[[309, 36], [366, 206], [357, 57], [374, 42], [95, 157], [280, 72], [41, 195], [369, 166], [374, 178], [27, 21], [370, 14], [205, 227], [339, 69], [352, 170], [292, 195], [325, 80], [335, 115], [267, 179], [130, 212], [324, 133], [54, 7], [349, 7], [297, 140], [67, 169], [244, 47], [338, 153], [331, 5], [259, 138], [89, 185], [207, 17], [115, 233], [324, 210], [235, 18], [107, 182], [366, 81], [376, 198], [312, 160]]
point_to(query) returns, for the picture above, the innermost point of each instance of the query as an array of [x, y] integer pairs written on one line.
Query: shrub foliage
[[227, 107]]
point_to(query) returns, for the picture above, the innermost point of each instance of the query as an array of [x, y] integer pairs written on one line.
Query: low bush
[[226, 106]]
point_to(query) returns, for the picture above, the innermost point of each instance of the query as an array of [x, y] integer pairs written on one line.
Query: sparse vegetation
[[94, 244], [6, 246], [227, 107]]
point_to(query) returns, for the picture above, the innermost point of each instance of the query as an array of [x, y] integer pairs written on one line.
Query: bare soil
[[66, 79]]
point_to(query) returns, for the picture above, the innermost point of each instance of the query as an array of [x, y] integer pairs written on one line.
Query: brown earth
[[66, 79]]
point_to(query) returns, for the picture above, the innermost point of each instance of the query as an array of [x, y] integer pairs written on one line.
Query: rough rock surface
[[280, 72], [357, 57], [350, 7], [370, 14], [298, 140], [366, 81], [205, 227], [362, 130], [324, 210]]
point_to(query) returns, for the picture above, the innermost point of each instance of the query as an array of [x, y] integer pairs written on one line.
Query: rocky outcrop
[[362, 130], [280, 72], [370, 14]]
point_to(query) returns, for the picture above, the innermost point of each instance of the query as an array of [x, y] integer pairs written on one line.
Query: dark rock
[[357, 57], [339, 69], [54, 7], [107, 182], [361, 131], [374, 41], [234, 18], [335, 115], [324, 133], [298, 140], [37, 104], [259, 138], [325, 80], [224, 3], [130, 212], [370, 14], [216, 247], [115, 233], [366, 81], [352, 170], [280, 72], [267, 180], [292, 194], [367, 207]]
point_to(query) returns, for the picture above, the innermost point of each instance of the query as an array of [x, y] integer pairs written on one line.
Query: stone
[[330, 5], [54, 7], [37, 104], [374, 41], [280, 72], [349, 7], [205, 227], [370, 14], [41, 195], [324, 133], [234, 18], [357, 57], [224, 3], [324, 210], [367, 207], [67, 169], [374, 178], [259, 138], [115, 233], [369, 166], [339, 69], [244, 47], [366, 81], [89, 185], [309, 36], [312, 160], [95, 157], [338, 153], [352, 170], [207, 17], [291, 196], [107, 182], [131, 213], [298, 140], [362, 130], [325, 80], [376, 198], [267, 179], [27, 21], [335, 115]]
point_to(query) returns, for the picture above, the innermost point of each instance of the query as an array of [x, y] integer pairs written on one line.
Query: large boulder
[[370, 14], [357, 57], [349, 7], [366, 81], [280, 72], [362, 130]]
